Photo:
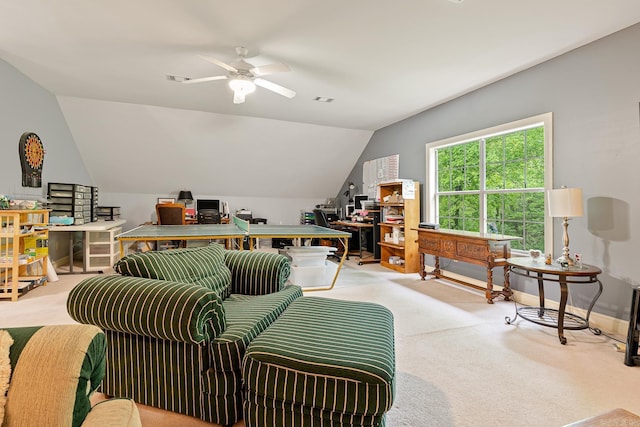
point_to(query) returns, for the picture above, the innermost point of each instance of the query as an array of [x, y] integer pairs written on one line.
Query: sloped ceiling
[[136, 148], [382, 61]]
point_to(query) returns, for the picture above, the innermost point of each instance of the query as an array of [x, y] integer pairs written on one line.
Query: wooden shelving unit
[[22, 270], [399, 216]]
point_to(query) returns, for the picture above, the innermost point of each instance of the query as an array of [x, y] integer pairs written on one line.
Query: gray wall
[[26, 106], [593, 93]]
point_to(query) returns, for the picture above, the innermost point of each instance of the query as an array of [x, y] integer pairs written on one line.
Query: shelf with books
[[24, 238], [398, 246]]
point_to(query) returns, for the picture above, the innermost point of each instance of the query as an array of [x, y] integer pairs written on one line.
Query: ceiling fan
[[243, 77]]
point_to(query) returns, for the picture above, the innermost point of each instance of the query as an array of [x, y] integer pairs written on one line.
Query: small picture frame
[[165, 200]]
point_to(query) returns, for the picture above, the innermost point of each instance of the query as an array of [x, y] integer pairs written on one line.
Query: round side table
[[575, 275]]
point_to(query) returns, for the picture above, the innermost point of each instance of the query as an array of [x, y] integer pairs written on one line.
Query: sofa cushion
[[204, 266], [155, 308], [247, 316], [322, 360]]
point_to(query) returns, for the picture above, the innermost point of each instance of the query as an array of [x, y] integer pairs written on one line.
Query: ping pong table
[[236, 231]]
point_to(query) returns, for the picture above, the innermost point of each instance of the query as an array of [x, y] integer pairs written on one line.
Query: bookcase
[[399, 217], [24, 240]]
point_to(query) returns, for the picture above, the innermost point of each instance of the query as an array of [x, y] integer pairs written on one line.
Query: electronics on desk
[[244, 214], [370, 205], [207, 204], [429, 225], [332, 217], [358, 199], [349, 211]]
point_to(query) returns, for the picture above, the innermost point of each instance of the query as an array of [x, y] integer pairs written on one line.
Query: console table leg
[[489, 292], [563, 306], [507, 292], [423, 270], [541, 294]]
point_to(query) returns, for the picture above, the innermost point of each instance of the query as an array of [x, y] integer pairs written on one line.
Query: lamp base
[[566, 259]]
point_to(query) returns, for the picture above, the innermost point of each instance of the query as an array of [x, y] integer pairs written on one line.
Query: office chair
[[208, 216], [320, 218], [171, 214]]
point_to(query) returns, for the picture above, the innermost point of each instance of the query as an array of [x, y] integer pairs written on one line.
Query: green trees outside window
[[494, 184]]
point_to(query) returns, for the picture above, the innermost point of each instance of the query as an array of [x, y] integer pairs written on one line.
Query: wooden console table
[[486, 249]]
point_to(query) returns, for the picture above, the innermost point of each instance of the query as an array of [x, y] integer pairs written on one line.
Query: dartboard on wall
[[31, 152]]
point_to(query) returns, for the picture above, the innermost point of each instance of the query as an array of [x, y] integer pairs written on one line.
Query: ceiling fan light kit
[[243, 77]]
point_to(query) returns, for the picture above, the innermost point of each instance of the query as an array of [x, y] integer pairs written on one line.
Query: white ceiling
[[382, 61]]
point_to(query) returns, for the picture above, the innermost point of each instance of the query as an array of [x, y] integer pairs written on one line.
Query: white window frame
[[545, 120]]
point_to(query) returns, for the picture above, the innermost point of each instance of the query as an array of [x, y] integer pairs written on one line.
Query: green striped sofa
[[322, 363], [54, 370], [178, 324]]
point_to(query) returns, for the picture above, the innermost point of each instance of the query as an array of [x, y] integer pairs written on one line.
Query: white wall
[[143, 149], [140, 208]]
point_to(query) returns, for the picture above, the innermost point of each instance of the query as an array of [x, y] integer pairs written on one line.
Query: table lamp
[[185, 197], [565, 203]]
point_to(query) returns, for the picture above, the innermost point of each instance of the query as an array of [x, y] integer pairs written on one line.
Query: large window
[[494, 181]]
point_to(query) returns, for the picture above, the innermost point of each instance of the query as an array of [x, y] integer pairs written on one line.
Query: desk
[[190, 220], [98, 243], [485, 249], [586, 274], [359, 227], [237, 231]]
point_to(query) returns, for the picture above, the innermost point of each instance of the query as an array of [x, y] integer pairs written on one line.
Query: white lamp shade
[[565, 202]]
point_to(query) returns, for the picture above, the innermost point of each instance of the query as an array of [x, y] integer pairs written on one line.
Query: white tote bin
[[313, 275], [309, 256]]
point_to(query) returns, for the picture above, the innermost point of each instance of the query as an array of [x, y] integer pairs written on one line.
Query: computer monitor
[[349, 210], [207, 204], [357, 200]]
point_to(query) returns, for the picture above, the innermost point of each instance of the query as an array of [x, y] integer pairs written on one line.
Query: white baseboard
[[64, 261], [609, 325]]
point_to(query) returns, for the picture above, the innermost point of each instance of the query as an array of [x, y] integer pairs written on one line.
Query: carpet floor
[[457, 362]]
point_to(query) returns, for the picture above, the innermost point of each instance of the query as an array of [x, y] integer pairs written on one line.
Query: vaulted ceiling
[[381, 61]]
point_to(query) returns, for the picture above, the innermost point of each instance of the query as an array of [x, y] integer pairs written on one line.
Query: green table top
[[213, 231]]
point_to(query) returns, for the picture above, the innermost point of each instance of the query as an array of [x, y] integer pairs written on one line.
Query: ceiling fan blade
[[275, 88], [270, 69], [188, 80], [219, 63], [238, 97]]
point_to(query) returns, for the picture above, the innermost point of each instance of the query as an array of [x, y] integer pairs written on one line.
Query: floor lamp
[[565, 203]]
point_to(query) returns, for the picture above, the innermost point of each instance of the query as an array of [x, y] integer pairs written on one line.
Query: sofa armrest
[[59, 366], [155, 308], [113, 412], [257, 273]]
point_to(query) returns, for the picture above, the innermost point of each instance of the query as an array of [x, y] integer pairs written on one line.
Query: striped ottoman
[[323, 362]]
